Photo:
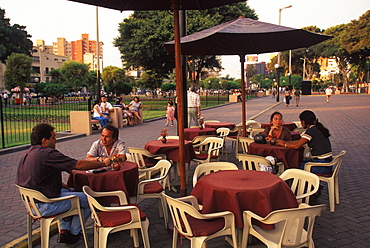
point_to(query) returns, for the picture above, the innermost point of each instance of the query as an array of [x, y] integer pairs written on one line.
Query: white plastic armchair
[[332, 179], [293, 227], [207, 168], [250, 162], [197, 227], [30, 197], [155, 187], [303, 183], [223, 132], [209, 150], [114, 219]]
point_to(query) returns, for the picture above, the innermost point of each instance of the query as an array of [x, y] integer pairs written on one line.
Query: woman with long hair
[[276, 129], [317, 138]]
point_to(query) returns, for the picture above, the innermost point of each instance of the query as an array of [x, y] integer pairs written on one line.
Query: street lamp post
[[278, 79], [287, 7]]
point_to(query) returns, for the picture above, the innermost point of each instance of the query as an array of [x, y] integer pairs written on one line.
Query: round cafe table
[[290, 125], [171, 149], [216, 125], [289, 156], [126, 179], [240, 190], [191, 133]]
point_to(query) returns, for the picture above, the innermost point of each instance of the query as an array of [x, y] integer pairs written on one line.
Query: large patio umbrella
[[244, 36], [174, 5]]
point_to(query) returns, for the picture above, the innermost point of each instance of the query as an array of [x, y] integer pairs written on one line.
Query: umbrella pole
[[242, 61], [180, 99]]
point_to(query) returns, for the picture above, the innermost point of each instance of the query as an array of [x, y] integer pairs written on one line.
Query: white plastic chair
[[154, 187], [114, 219], [223, 132], [251, 162], [197, 227], [207, 168], [209, 121], [293, 227], [332, 179], [304, 183], [242, 145], [169, 137], [30, 197], [209, 150]]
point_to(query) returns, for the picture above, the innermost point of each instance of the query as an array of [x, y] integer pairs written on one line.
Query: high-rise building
[[83, 46]]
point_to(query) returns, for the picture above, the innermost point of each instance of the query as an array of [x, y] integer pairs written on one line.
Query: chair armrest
[[217, 215], [118, 193], [191, 199], [308, 165], [135, 213], [160, 156]]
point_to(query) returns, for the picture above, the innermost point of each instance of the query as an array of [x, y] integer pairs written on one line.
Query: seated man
[[40, 169], [106, 106], [107, 146]]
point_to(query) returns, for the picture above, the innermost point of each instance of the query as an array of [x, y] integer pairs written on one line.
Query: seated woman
[[98, 115], [317, 138], [134, 107], [276, 130]]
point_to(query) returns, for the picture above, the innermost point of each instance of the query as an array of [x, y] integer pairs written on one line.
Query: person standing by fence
[[170, 113]]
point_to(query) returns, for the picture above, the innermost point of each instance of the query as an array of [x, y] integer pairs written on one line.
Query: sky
[[47, 20]]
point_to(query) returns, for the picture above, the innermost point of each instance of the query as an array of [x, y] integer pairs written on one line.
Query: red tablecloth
[[295, 135], [289, 156], [290, 125], [237, 191], [171, 149], [126, 179], [216, 125], [191, 133]]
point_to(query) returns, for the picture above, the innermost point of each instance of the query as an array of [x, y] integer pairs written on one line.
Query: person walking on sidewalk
[[193, 106], [40, 168], [328, 93], [297, 96]]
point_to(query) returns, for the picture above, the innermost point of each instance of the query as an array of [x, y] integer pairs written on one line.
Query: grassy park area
[[17, 121]]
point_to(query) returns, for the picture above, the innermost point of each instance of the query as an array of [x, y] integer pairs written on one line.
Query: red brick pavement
[[346, 116]]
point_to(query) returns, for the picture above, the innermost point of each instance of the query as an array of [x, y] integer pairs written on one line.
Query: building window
[[47, 79], [55, 59], [35, 59], [46, 69], [36, 69]]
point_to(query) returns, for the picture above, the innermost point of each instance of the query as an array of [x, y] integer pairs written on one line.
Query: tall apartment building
[[83, 46]]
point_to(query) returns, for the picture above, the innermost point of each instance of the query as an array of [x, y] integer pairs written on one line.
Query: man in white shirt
[[106, 106], [328, 93], [193, 106]]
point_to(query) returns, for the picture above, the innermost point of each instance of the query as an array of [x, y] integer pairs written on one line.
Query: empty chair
[[251, 162], [114, 219], [200, 138], [242, 145], [223, 132], [197, 227], [332, 179], [30, 197], [234, 134], [144, 159], [304, 183], [207, 168], [250, 123], [154, 187], [299, 130], [293, 227], [209, 150]]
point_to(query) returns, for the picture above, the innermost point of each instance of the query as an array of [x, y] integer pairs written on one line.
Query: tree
[[18, 70], [114, 79], [143, 34], [151, 80], [52, 89], [13, 38], [56, 76], [168, 87], [75, 74]]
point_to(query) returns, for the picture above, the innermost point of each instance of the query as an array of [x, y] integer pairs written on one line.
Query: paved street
[[346, 116]]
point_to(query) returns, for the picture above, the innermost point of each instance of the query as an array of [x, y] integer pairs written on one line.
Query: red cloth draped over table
[[289, 156], [295, 135], [171, 149], [237, 191], [216, 125], [126, 179], [290, 125], [191, 133]]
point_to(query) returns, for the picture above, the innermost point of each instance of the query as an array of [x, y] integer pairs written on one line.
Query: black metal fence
[[18, 116]]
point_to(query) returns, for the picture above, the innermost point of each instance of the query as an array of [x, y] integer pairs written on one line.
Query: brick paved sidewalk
[[346, 116]]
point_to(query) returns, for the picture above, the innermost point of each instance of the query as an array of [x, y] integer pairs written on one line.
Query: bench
[[81, 121]]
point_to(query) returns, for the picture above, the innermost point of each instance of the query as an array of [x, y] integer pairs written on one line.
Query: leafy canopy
[[18, 70], [13, 38]]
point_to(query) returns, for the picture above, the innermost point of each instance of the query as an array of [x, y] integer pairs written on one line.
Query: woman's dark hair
[[113, 129], [118, 101], [39, 132], [275, 113], [170, 102], [96, 101], [310, 119], [137, 98]]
